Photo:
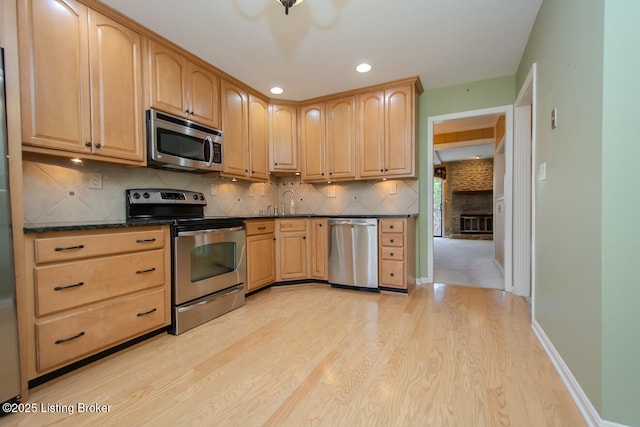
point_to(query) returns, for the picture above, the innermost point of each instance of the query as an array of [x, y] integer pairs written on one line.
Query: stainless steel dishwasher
[[353, 253]]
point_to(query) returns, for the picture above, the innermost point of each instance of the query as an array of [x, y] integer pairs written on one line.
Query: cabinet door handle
[[391, 240], [262, 228], [146, 240], [87, 144], [391, 254], [75, 285], [391, 274], [98, 145], [63, 340], [146, 271], [146, 312], [391, 227], [69, 248]]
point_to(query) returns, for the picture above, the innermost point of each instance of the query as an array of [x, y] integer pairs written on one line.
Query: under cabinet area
[[90, 290], [71, 58]]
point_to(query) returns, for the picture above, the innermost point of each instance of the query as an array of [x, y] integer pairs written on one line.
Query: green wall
[[620, 205], [453, 99], [567, 44]]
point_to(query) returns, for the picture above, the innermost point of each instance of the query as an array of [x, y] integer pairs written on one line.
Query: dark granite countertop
[[89, 225], [97, 225]]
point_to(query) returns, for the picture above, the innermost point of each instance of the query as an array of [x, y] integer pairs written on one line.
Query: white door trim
[[507, 110], [526, 104]]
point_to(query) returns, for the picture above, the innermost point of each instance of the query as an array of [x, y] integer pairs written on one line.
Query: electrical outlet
[[214, 190], [252, 191], [95, 181], [394, 188], [331, 191]]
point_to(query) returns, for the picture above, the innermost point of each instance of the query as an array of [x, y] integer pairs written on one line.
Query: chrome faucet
[[282, 200]]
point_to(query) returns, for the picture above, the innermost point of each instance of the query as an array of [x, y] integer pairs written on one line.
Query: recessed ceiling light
[[363, 68], [277, 90]]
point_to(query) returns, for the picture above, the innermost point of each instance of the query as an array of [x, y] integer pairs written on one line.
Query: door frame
[[507, 110], [525, 118]]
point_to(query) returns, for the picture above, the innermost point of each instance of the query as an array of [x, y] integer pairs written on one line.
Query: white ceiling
[[313, 51]]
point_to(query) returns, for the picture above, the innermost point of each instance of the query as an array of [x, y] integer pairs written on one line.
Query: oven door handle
[[211, 230]]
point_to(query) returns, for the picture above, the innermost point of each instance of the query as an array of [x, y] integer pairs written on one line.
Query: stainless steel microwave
[[180, 144]]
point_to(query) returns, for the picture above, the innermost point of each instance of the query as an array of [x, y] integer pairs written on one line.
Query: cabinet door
[[319, 253], [400, 131], [258, 138], [292, 260], [284, 141], [312, 143], [371, 137], [168, 80], [54, 74], [117, 119], [235, 126], [204, 96], [261, 262], [341, 138]]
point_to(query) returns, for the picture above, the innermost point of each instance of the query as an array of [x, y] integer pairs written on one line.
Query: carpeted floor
[[466, 262]]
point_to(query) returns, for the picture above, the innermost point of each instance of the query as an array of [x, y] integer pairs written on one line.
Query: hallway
[[466, 262]]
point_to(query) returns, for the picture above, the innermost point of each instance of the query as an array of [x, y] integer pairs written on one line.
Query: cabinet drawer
[[260, 227], [75, 247], [392, 274], [393, 254], [63, 286], [71, 337], [292, 225], [395, 240], [392, 225]]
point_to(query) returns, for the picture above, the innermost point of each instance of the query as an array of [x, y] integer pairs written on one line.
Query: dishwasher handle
[[353, 224]]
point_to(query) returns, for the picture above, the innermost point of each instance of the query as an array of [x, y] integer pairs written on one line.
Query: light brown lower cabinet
[[319, 249], [291, 249], [396, 266], [90, 290], [261, 254]]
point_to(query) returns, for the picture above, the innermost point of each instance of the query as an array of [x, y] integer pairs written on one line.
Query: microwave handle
[[210, 142]]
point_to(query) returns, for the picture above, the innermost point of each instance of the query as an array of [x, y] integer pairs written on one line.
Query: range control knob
[[146, 195], [201, 197], [136, 196], [195, 197]]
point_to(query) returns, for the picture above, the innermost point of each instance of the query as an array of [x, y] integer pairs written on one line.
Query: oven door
[[208, 261]]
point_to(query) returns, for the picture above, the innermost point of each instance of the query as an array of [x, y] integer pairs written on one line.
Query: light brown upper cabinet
[[387, 133], [235, 128], [258, 139], [183, 88], [245, 124], [313, 142], [283, 138], [341, 139], [81, 83]]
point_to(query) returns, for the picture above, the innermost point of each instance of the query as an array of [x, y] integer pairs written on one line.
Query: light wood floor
[[312, 355]]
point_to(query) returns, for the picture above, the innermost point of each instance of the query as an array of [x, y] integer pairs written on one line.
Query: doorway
[[507, 111]]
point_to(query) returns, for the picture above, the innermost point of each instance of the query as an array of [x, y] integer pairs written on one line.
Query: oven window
[[212, 260]]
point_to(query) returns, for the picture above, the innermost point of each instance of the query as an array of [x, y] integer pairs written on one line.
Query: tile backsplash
[[59, 193]]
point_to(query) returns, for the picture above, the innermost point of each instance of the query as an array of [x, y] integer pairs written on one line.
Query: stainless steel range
[[208, 254]]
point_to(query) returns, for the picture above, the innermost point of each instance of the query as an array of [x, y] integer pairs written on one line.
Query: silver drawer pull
[[146, 271], [78, 335], [75, 285], [146, 240], [147, 312], [69, 248]]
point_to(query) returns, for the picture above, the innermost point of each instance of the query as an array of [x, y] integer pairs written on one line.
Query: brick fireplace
[[471, 199]]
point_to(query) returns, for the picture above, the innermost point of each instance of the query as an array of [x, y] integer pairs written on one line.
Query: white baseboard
[[591, 416], [423, 280]]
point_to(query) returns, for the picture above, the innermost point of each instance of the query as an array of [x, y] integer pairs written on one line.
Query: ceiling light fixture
[[288, 3], [363, 68], [277, 90]]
